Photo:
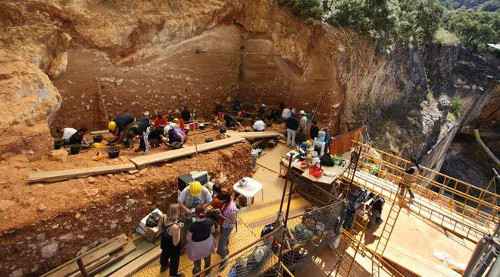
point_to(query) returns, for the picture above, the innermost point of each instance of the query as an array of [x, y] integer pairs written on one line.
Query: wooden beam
[[254, 135], [89, 257], [138, 263], [52, 176], [144, 161]]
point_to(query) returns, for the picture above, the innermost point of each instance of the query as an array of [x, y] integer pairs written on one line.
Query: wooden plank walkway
[[53, 176], [144, 161], [255, 135]]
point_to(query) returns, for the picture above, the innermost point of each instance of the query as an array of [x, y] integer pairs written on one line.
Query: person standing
[[191, 196], [262, 111], [170, 240], [286, 113], [227, 221], [292, 124], [201, 243], [186, 115], [314, 131], [409, 179], [301, 133]]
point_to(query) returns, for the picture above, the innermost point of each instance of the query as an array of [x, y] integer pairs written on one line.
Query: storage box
[[150, 233]]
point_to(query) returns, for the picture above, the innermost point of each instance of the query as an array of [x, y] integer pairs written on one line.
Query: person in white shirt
[[259, 125], [301, 133], [66, 133], [286, 113]]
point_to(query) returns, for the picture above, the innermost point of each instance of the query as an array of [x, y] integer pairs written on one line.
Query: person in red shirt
[[160, 121]]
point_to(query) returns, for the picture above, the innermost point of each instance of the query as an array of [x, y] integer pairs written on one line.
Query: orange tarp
[[343, 143]]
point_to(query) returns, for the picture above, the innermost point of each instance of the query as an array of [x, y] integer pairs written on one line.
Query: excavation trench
[[99, 208]]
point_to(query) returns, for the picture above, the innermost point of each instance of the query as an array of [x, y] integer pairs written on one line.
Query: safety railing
[[473, 207], [440, 217]]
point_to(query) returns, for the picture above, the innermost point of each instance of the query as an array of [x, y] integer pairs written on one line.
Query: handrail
[[388, 267], [418, 213], [428, 169], [239, 251], [440, 185], [480, 202]]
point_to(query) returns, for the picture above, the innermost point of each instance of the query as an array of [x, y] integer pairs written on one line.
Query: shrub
[[456, 105]]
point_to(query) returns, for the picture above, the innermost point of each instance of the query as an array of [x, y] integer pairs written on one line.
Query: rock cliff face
[[168, 54]]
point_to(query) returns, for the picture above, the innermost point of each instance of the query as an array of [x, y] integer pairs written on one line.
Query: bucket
[[58, 144], [74, 149], [209, 139], [97, 138], [113, 153]]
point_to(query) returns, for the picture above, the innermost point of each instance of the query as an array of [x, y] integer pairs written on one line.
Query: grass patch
[[444, 37]]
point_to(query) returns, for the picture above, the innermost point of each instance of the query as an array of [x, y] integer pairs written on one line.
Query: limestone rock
[[66, 237], [18, 273], [40, 237], [59, 65], [50, 250], [91, 180], [59, 155], [42, 207], [130, 202]]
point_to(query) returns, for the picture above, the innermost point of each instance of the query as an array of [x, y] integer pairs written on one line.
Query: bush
[[456, 105]]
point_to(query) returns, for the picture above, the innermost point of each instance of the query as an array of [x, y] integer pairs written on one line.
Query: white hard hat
[[263, 105], [302, 112], [146, 113]]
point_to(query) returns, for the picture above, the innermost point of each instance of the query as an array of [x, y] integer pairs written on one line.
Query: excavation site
[[249, 138]]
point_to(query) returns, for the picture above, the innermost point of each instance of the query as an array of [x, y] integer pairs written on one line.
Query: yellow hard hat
[[195, 188], [309, 142], [96, 145], [112, 125]]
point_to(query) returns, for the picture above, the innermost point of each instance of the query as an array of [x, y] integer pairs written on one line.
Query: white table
[[251, 188]]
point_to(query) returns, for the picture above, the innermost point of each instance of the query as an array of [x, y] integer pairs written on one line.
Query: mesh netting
[[253, 260]]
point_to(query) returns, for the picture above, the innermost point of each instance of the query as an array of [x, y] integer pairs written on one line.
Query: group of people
[[126, 127], [188, 224]]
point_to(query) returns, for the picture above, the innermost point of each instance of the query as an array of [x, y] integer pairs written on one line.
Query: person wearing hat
[[191, 196], [292, 124], [262, 111], [176, 137], [120, 126]]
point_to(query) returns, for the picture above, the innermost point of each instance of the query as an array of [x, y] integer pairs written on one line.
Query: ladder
[[388, 227]]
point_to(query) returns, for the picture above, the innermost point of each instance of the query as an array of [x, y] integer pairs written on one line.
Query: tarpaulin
[[343, 143]]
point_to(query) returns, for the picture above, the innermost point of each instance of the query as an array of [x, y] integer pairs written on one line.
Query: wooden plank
[[255, 135], [144, 161], [142, 246], [89, 257], [52, 176], [91, 266], [99, 132], [138, 263], [115, 257]]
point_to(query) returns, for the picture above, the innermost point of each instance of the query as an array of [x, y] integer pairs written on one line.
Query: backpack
[[326, 160]]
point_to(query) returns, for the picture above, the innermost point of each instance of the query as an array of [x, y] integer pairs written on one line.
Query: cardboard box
[[150, 233]]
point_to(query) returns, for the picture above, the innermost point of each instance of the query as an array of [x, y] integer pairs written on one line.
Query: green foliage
[[467, 4], [420, 19], [490, 6], [304, 8], [446, 38], [474, 27], [456, 105]]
